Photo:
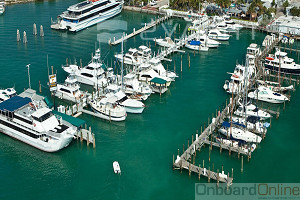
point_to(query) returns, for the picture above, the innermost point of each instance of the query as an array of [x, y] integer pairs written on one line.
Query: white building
[[286, 24]]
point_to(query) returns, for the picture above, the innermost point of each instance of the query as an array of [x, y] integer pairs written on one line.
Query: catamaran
[[87, 13]]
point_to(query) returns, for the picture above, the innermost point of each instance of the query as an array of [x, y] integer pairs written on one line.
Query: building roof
[[288, 21], [14, 103]]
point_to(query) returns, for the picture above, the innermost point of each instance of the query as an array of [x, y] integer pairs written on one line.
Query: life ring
[[235, 76]]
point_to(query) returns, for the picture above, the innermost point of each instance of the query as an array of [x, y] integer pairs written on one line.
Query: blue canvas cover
[[194, 42], [14, 103]]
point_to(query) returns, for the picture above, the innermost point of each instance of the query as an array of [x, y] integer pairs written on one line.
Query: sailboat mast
[[122, 64]]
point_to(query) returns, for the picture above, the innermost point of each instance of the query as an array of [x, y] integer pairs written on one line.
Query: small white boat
[[188, 19], [274, 86], [108, 109], [166, 42], [217, 35], [116, 167], [196, 45], [7, 94], [2, 7], [263, 93], [251, 110]]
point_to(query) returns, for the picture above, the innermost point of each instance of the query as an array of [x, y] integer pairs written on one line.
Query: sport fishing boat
[[131, 105], [157, 66], [253, 50], [7, 94], [263, 93], [280, 62], [251, 110], [108, 108], [203, 38], [166, 42], [70, 91], [217, 35], [135, 56], [133, 87], [92, 74], [86, 14], [30, 122], [196, 45], [2, 7], [231, 24], [239, 134]]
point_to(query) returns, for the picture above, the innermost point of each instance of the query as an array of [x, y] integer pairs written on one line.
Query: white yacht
[[263, 93], [166, 42], [231, 24], [217, 35], [108, 108], [145, 73], [196, 45], [135, 56], [239, 134], [222, 26], [233, 143], [7, 94], [2, 7], [253, 49], [132, 86], [280, 62], [274, 86], [159, 68], [131, 105], [203, 38], [251, 110], [33, 124], [92, 74], [70, 91], [87, 13], [236, 83]]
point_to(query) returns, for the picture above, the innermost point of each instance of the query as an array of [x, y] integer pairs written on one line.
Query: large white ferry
[[86, 14], [32, 123]]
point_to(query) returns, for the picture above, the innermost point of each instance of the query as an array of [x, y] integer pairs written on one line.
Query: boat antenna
[[122, 65], [28, 75]]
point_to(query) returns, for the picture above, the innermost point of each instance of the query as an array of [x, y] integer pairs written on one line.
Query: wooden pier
[[136, 32], [187, 159]]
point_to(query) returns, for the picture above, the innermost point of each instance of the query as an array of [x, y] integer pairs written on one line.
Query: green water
[[143, 144]]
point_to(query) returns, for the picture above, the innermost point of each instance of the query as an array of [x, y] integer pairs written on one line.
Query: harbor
[[190, 112]]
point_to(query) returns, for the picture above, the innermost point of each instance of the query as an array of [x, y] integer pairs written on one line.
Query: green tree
[[273, 3], [295, 11]]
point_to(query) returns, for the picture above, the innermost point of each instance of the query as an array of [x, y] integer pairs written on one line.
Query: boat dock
[[136, 32], [187, 159]]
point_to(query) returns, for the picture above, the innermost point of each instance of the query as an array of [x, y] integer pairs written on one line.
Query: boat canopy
[[14, 103], [194, 42], [72, 120], [158, 81]]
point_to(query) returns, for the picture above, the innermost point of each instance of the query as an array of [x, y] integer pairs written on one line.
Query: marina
[[143, 144]]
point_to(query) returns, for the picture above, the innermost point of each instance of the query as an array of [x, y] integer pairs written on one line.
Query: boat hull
[[134, 110], [283, 70], [36, 142]]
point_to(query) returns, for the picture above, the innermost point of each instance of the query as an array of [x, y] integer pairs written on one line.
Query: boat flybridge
[[280, 62], [93, 74], [135, 56], [70, 91], [263, 93], [253, 49], [87, 13], [32, 123]]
